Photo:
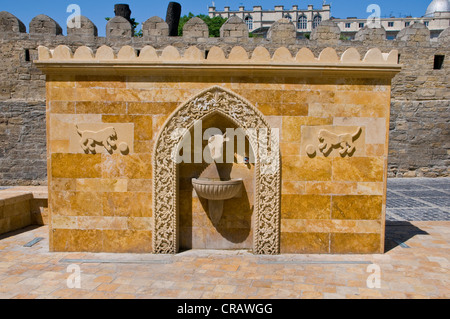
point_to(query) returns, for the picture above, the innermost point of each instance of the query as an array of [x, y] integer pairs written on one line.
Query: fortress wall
[[420, 115]]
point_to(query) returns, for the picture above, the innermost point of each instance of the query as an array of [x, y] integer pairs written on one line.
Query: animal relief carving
[[90, 139], [345, 142]]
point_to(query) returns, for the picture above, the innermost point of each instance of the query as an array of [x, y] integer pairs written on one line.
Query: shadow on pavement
[[398, 233], [19, 231]]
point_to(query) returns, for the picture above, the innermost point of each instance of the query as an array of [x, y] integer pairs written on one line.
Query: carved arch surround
[[266, 239]]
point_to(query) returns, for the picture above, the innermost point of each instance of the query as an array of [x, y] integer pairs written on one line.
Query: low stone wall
[[23, 206]]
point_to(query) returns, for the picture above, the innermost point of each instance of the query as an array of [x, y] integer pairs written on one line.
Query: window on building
[[317, 20], [302, 23], [390, 24], [407, 24], [249, 22], [427, 23], [361, 25], [438, 62], [288, 16]]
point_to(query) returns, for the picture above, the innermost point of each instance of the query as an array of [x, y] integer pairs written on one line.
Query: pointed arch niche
[[266, 213]]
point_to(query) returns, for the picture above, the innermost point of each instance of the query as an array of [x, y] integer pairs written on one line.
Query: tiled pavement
[[415, 265], [418, 199]]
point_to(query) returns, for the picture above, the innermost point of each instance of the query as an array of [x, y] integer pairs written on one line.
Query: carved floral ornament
[[268, 176]]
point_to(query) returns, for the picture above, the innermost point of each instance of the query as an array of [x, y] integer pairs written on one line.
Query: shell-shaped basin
[[217, 190]]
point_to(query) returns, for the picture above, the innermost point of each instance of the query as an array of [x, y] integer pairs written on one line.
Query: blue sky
[[97, 10]]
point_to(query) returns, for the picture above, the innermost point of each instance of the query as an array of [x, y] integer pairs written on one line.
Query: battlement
[[155, 30], [419, 95]]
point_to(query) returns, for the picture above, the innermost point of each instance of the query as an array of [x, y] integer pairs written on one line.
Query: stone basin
[[217, 190]]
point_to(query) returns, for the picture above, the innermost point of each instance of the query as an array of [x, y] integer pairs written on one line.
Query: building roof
[[437, 6]]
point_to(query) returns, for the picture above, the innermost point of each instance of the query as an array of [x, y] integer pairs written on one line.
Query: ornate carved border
[[268, 172]]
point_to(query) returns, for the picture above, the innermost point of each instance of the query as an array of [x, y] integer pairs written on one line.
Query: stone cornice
[[260, 63]]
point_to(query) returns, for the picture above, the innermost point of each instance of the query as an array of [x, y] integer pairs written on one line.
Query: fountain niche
[[216, 196]]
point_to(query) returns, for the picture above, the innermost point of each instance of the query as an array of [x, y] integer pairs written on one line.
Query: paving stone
[[404, 202], [424, 193], [418, 199], [392, 195], [438, 201], [420, 271], [423, 214]]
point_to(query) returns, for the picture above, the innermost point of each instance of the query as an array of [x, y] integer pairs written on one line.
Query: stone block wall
[[14, 212], [419, 93], [23, 206]]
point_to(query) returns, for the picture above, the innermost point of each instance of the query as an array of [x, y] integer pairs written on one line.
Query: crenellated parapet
[[371, 34], [419, 92], [86, 28], [119, 27], [156, 31], [282, 31], [444, 37], [416, 32], [234, 28], [155, 27], [10, 23], [43, 24], [195, 28]]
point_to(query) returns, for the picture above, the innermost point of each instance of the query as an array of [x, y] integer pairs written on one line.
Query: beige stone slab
[[61, 124], [102, 222], [64, 222], [367, 188], [375, 127], [83, 134], [57, 146], [319, 109], [13, 197], [330, 226], [335, 139], [39, 192], [101, 185]]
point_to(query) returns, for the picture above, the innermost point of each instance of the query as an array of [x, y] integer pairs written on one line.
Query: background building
[[258, 20]]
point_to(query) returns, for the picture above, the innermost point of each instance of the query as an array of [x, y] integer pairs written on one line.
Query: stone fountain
[[215, 190]]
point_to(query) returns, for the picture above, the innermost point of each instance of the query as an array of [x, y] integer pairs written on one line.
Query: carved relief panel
[[93, 138], [333, 141]]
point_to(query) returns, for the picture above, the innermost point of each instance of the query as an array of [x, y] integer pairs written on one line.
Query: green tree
[[214, 24]]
